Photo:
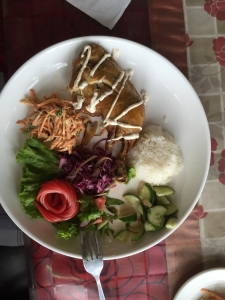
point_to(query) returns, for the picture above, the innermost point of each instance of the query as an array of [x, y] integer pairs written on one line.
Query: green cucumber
[[131, 198], [171, 223], [137, 232], [143, 211], [163, 190], [102, 224], [163, 200], [140, 209], [123, 235], [128, 218], [148, 226], [147, 193], [171, 209], [146, 203], [156, 216]]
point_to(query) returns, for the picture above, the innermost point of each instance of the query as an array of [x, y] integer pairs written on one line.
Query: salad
[[71, 192]]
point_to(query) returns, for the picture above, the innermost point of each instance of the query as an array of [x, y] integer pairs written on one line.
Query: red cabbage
[[90, 172]]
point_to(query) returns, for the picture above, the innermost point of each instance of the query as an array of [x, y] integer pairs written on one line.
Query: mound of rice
[[155, 156]]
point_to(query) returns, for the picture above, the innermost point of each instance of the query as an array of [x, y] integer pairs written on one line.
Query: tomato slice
[[100, 202], [57, 201], [99, 220]]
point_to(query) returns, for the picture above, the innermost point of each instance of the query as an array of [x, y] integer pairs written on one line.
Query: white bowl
[[173, 104]]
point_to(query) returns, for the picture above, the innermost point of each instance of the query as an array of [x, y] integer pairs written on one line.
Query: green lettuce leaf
[[90, 213], [66, 229], [40, 165], [131, 173]]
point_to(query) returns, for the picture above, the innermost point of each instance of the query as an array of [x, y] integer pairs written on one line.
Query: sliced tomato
[[57, 201], [99, 220], [100, 202]]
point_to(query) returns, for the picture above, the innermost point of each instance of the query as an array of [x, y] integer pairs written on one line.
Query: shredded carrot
[[212, 295], [53, 120]]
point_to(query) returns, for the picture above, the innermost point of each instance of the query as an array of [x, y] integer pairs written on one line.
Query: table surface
[[196, 47]]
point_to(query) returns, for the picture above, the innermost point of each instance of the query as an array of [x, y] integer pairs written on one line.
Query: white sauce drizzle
[[83, 85], [98, 64], [114, 121], [86, 48], [118, 80], [101, 80], [91, 107], [144, 96], [130, 72], [115, 53], [79, 102], [128, 109], [131, 136], [114, 102]]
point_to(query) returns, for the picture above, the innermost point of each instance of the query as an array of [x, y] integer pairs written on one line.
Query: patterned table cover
[[32, 25], [205, 34]]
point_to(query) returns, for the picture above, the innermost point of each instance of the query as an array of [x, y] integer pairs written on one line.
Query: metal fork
[[92, 257]]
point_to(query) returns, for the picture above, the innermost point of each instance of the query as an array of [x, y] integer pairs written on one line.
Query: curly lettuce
[[40, 165]]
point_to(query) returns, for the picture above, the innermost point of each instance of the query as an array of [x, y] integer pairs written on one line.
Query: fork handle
[[100, 291]]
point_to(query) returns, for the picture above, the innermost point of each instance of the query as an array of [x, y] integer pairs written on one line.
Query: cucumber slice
[[147, 193], [156, 216], [171, 223], [163, 200], [131, 198], [171, 209], [123, 235], [148, 226], [102, 224], [137, 232], [128, 218], [140, 209], [163, 190], [146, 203], [143, 211]]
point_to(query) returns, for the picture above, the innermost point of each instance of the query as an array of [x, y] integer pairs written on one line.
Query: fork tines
[[90, 245]]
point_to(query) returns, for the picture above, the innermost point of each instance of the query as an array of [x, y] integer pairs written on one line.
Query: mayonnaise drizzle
[[115, 53], [144, 96], [86, 48], [114, 102], [132, 136], [79, 103], [117, 123], [128, 109], [98, 64], [83, 85], [114, 121], [91, 107], [101, 80]]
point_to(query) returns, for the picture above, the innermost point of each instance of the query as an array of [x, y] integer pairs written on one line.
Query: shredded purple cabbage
[[90, 172]]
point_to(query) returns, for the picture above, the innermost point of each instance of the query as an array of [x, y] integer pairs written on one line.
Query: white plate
[[213, 280], [171, 96]]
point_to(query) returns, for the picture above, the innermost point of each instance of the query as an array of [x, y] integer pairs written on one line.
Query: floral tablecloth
[[191, 34], [205, 36]]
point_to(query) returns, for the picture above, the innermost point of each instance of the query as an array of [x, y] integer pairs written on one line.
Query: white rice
[[155, 156]]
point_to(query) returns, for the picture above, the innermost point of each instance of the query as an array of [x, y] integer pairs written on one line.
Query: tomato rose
[[57, 201], [219, 48], [216, 8]]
